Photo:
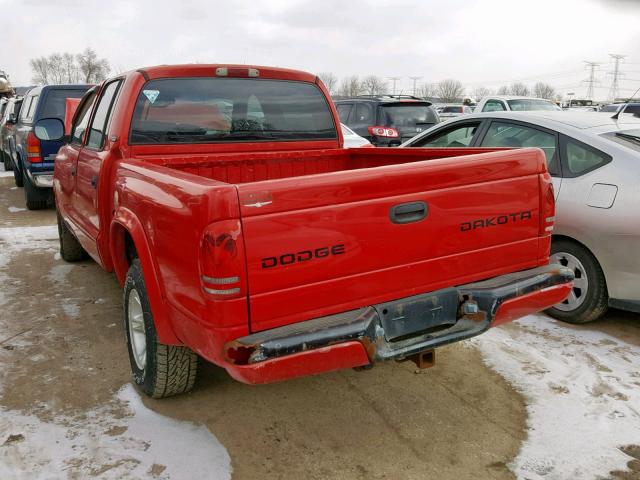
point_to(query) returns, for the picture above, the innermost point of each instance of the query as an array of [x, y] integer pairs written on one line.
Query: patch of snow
[[583, 392], [28, 237], [58, 273], [102, 444], [70, 309], [57, 256], [13, 209], [13, 188], [5, 174]]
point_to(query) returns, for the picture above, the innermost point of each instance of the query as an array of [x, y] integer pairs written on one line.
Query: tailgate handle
[[408, 212]]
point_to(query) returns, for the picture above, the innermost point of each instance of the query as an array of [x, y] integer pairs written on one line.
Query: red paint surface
[[531, 303], [285, 198]]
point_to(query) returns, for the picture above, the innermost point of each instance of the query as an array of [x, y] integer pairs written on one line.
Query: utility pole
[[394, 80], [591, 81], [615, 85], [415, 79]]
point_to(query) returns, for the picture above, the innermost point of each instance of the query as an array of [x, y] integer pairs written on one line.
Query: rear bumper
[[394, 330]]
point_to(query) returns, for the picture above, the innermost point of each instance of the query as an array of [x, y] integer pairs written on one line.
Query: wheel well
[[556, 238], [129, 248]]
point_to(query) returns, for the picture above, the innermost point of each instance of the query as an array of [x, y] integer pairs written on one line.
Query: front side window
[[581, 158], [493, 106], [82, 120], [505, 134], [458, 136], [98, 129], [204, 110]]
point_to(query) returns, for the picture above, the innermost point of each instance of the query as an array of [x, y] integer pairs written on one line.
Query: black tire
[[6, 159], [17, 175], [70, 248], [36, 198], [596, 297], [168, 369]]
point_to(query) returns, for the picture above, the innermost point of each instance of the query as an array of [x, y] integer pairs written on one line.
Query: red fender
[[125, 221]]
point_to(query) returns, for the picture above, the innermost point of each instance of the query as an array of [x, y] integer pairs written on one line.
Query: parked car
[[34, 156], [386, 120], [508, 103], [594, 161], [7, 127], [352, 139], [259, 243], [631, 107], [451, 111]]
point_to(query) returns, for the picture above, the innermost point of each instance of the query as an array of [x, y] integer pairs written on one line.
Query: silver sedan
[[594, 161]]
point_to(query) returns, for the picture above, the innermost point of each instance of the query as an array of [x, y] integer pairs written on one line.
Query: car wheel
[[17, 174], [159, 370], [588, 300], [35, 198], [70, 248], [6, 159]]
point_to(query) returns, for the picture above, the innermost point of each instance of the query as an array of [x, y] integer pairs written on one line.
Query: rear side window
[[54, 102], [364, 114], [343, 111], [204, 110], [99, 124], [581, 158], [26, 114]]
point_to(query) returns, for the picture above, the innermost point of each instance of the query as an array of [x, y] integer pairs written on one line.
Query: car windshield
[[408, 115], [204, 110], [628, 138], [610, 108], [452, 110], [55, 102], [525, 104]]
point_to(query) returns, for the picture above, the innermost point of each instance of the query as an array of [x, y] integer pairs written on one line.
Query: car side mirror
[[49, 129], [11, 119]]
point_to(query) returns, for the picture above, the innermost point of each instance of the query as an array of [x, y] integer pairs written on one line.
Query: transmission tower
[[415, 79], [591, 81], [394, 80], [615, 85]]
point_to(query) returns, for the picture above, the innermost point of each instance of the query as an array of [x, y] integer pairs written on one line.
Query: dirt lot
[[65, 409]]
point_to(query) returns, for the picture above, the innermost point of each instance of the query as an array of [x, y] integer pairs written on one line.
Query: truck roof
[[225, 70]]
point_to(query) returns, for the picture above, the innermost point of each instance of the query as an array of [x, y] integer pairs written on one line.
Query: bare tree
[[520, 89], [427, 90], [373, 85], [544, 90], [450, 90], [56, 70], [40, 68], [71, 72], [504, 90], [350, 86], [481, 92], [330, 81], [92, 68]]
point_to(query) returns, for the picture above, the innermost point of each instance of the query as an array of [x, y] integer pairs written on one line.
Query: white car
[[451, 111], [352, 139], [509, 103], [594, 162]]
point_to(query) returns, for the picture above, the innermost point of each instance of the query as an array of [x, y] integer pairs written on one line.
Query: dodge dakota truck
[[242, 232]]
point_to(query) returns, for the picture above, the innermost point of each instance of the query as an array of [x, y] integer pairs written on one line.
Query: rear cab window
[[54, 102], [210, 110]]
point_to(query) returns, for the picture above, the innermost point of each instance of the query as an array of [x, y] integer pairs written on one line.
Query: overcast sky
[[482, 43]]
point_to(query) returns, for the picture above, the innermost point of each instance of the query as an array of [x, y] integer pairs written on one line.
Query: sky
[[481, 43]]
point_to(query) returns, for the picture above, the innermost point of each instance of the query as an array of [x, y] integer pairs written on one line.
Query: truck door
[[90, 160]]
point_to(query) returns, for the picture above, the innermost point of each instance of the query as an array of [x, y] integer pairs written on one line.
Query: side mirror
[[11, 119], [49, 129]]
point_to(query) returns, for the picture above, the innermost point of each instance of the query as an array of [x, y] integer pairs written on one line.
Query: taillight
[[222, 260], [33, 148], [547, 217], [383, 132]]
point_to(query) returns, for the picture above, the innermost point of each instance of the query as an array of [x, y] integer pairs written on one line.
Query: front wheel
[[159, 370], [588, 300], [70, 248]]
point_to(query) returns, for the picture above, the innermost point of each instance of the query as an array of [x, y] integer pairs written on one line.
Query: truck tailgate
[[333, 242]]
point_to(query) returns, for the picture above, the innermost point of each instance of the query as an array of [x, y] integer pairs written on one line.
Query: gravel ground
[[67, 409]]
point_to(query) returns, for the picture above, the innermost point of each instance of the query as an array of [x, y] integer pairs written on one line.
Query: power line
[[415, 79], [615, 86], [591, 81], [394, 80]]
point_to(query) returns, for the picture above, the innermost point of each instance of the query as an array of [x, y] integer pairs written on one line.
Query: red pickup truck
[[242, 231]]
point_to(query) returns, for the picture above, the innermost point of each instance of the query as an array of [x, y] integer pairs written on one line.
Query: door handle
[[73, 172], [94, 181], [408, 212]]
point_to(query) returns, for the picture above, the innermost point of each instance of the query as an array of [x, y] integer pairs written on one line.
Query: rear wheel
[[159, 370], [70, 248], [17, 174], [588, 299], [36, 198], [6, 159]]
